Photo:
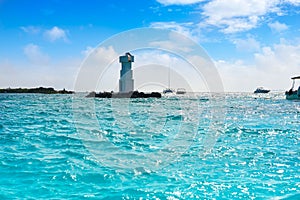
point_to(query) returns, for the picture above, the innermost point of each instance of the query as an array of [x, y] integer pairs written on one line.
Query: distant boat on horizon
[[168, 91], [180, 91], [261, 90]]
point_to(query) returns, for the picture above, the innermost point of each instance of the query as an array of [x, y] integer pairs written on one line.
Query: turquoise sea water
[[232, 146]]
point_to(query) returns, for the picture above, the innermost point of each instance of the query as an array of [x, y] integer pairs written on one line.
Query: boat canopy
[[296, 77]]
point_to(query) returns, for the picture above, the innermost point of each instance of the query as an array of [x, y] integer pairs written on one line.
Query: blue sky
[[252, 42]]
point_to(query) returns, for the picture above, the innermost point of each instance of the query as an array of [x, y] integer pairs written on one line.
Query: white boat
[[180, 91], [293, 94]]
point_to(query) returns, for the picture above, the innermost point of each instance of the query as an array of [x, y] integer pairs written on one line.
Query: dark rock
[[134, 94]]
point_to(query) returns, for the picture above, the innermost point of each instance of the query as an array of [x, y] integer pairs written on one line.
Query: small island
[[39, 90]]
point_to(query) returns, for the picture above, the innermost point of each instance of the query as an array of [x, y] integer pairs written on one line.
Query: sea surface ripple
[[229, 146]]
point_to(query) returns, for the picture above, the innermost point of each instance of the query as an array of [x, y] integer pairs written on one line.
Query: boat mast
[[169, 81]]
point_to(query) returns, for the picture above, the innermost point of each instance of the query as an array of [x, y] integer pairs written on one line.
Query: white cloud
[[232, 16], [59, 75], [87, 51], [239, 15], [56, 33], [281, 58], [187, 2], [31, 29], [180, 39], [170, 45], [182, 28], [179, 2], [99, 61], [272, 68], [227, 9], [236, 25], [247, 45], [293, 2], [190, 29], [152, 74], [278, 27], [35, 55], [104, 54], [176, 42]]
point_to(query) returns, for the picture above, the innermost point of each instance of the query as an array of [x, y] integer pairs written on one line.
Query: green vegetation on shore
[[40, 90]]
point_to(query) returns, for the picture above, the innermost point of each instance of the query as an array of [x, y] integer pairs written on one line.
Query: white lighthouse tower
[[126, 80]]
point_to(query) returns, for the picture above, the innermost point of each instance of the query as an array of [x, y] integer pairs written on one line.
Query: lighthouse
[[126, 87], [126, 80]]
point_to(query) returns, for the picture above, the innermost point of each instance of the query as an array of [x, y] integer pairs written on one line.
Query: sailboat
[[168, 90]]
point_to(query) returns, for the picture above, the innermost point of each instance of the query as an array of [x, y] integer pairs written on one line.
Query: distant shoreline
[[39, 90]]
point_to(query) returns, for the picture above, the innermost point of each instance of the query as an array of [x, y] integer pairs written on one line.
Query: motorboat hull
[[261, 91], [293, 96]]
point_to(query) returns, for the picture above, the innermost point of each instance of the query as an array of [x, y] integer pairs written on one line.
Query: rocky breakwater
[[134, 94]]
